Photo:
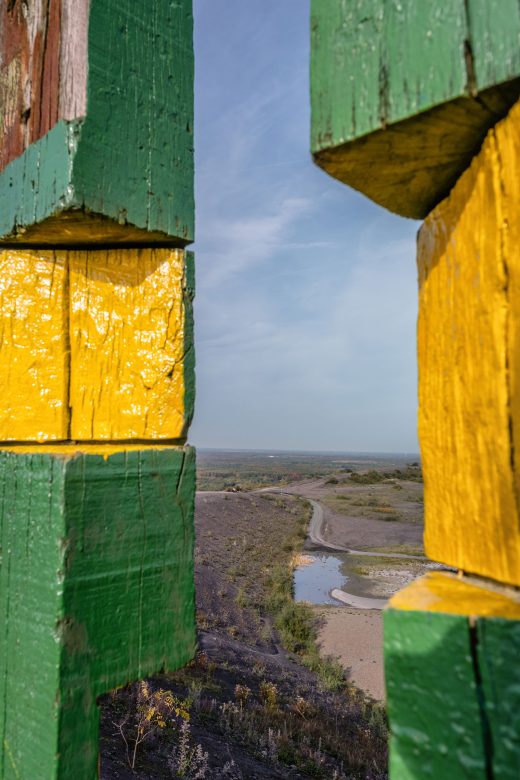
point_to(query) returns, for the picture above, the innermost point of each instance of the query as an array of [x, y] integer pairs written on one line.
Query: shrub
[[185, 760], [279, 588], [242, 694], [268, 694], [149, 713], [294, 622], [241, 598], [303, 708]]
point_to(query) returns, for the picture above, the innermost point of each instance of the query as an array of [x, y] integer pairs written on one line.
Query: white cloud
[[241, 243]]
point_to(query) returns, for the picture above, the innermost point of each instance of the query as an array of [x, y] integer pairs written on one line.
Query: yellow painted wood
[[508, 140], [441, 592], [33, 345], [127, 344], [68, 449], [469, 361], [92, 344]]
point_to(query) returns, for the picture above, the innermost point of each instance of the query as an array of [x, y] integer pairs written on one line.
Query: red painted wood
[[43, 69]]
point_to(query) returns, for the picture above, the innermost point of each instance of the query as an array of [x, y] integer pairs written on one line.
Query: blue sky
[[306, 291]]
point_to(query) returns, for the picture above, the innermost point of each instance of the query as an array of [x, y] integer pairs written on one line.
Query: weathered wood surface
[[43, 46], [498, 652], [96, 591], [469, 364], [96, 344], [97, 104], [452, 684], [96, 366], [404, 93]]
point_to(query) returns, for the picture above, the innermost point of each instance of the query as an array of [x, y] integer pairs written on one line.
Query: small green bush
[[294, 622]]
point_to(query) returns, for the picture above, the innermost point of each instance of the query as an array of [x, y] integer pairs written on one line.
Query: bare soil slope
[[254, 707]]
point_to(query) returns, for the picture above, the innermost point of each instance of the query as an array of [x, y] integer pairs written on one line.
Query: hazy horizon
[[344, 453], [306, 291]]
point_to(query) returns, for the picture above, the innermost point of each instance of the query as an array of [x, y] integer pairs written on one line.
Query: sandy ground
[[355, 638]]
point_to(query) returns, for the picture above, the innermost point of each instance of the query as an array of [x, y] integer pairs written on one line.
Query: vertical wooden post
[[416, 105], [96, 367]]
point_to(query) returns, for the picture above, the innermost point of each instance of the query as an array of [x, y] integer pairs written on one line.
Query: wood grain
[[96, 345], [453, 681], [127, 344], [468, 354], [43, 71], [34, 361], [403, 93], [96, 590], [98, 121]]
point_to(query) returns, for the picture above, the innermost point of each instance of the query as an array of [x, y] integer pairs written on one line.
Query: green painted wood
[[38, 183], [96, 591], [345, 65], [130, 159], [409, 89], [495, 40], [433, 705], [375, 63], [498, 652]]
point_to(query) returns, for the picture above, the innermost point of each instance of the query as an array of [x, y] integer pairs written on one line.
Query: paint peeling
[[43, 70]]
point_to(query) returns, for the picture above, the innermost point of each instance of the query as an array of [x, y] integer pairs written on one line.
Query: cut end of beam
[[410, 166], [79, 227]]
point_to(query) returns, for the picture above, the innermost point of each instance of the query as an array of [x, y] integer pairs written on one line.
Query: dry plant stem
[[119, 727], [138, 740]]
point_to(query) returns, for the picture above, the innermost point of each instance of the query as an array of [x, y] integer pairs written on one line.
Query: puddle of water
[[314, 581]]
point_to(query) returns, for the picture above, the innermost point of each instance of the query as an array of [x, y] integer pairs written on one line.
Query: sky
[[306, 303]]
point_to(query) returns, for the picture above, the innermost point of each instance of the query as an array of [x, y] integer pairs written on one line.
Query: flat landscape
[[247, 470], [283, 686]]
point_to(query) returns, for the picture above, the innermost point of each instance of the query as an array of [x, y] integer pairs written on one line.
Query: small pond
[[314, 581]]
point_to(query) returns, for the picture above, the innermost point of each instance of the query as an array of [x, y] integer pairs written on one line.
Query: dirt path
[[316, 537], [356, 528]]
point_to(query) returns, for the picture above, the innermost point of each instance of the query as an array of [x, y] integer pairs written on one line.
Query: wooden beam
[[96, 344], [469, 364], [404, 93], [96, 367], [452, 685], [96, 591], [90, 137]]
